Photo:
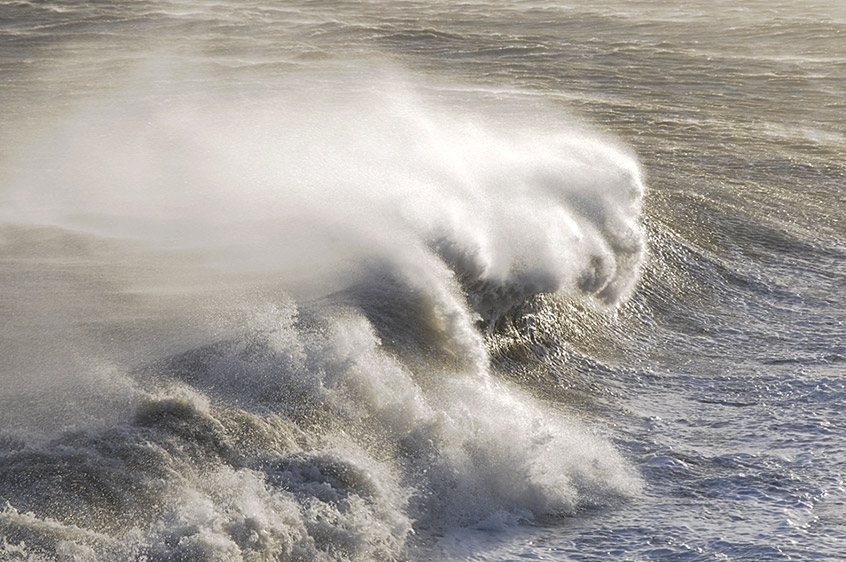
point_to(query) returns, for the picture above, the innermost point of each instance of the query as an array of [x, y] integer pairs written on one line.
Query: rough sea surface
[[407, 280]]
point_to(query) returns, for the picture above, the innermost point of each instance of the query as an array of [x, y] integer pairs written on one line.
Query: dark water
[[430, 281]]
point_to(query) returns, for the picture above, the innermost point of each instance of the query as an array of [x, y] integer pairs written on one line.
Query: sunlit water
[[427, 281]]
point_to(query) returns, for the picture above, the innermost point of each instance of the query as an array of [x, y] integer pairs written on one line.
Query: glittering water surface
[[422, 280]]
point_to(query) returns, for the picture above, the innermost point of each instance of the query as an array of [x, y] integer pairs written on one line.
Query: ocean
[[405, 280]]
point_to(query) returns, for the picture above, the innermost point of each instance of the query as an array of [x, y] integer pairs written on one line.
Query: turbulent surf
[[354, 282]]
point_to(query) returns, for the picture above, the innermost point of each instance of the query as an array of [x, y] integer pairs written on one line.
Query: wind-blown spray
[[343, 400]]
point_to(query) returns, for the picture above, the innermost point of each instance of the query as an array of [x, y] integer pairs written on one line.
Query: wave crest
[[516, 198]]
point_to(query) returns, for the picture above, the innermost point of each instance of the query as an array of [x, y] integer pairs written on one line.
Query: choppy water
[[422, 280]]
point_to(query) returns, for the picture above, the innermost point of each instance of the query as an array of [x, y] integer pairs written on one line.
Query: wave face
[[270, 317]]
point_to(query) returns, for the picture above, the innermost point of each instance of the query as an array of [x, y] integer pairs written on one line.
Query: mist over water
[[350, 168], [380, 282]]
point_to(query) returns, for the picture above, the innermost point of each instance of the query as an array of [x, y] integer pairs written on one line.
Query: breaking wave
[[355, 245]]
